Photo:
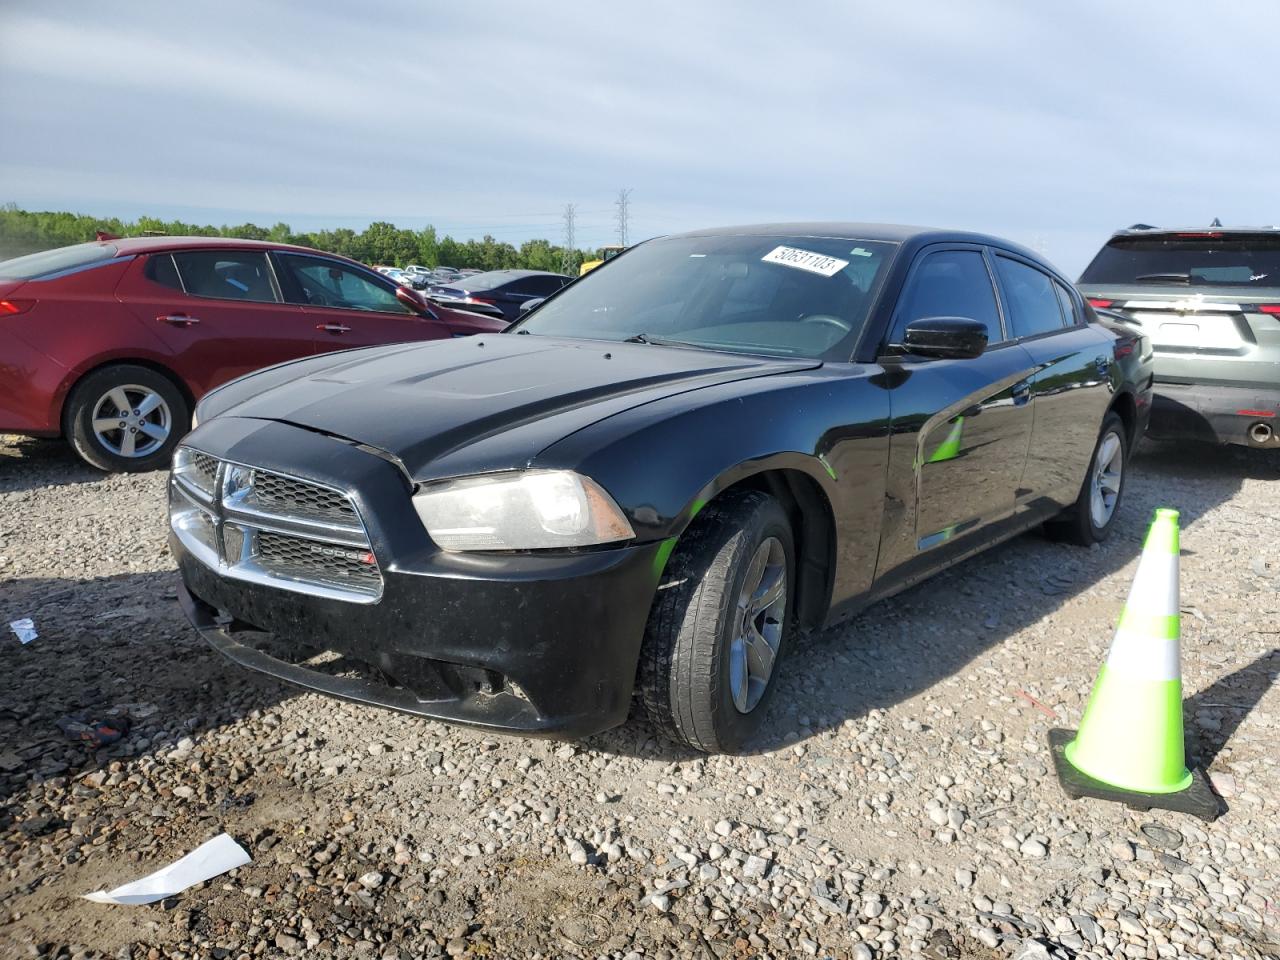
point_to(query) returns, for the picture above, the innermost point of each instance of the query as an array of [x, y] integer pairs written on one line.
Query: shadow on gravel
[[107, 644], [900, 647], [30, 463], [1222, 707]]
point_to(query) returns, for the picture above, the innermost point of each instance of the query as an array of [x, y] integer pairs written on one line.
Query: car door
[[1070, 389], [350, 306], [961, 428], [219, 312]]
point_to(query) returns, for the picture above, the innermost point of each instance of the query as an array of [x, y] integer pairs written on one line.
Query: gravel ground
[[906, 806]]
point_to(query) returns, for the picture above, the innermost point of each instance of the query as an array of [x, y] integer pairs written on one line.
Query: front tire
[[126, 418], [1091, 518], [717, 633]]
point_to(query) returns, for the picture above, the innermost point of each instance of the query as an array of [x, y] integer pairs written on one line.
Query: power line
[[622, 203]]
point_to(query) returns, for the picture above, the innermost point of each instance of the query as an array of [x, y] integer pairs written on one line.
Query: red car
[[111, 343]]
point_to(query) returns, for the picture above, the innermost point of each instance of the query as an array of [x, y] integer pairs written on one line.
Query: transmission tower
[[566, 260], [622, 203]]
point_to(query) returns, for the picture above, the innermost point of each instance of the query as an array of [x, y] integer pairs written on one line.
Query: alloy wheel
[[761, 613], [131, 421], [1108, 469]]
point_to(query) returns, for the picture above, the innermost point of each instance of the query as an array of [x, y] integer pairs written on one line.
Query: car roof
[[137, 245], [904, 234]]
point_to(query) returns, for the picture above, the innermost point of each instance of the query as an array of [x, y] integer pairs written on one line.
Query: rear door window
[[1209, 259], [1030, 299], [162, 269], [950, 283], [1068, 304], [227, 275], [327, 283]]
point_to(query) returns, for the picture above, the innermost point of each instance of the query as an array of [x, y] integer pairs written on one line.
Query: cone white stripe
[[1141, 657], [1155, 587]]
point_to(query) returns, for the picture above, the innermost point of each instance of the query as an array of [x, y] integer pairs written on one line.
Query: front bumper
[[530, 643], [1249, 416]]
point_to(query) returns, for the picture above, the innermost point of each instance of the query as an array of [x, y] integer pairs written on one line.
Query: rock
[[371, 880], [755, 867], [1032, 848], [1224, 784]]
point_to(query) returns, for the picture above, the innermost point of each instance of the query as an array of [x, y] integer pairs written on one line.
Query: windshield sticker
[[859, 252], [805, 260]]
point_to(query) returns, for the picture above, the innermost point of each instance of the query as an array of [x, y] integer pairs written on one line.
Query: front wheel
[[720, 625], [1090, 519]]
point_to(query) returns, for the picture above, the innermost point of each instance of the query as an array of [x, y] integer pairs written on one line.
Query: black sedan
[[498, 293], [653, 478]]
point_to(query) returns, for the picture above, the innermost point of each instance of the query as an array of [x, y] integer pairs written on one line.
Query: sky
[[1051, 124]]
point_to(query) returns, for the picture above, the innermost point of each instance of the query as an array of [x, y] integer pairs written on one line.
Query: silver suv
[[1209, 299]]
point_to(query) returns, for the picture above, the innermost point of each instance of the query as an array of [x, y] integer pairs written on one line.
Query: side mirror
[[946, 338], [418, 303], [530, 304]]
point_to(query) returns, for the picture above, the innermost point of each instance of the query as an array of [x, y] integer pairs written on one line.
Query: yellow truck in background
[[606, 253]]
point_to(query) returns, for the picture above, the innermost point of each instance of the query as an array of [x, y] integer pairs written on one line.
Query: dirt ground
[[904, 802]]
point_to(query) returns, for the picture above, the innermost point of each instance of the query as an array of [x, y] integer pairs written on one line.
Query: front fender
[[663, 461]]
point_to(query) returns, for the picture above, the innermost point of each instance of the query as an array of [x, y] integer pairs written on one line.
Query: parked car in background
[[1209, 299], [110, 344], [649, 482], [498, 293], [419, 278]]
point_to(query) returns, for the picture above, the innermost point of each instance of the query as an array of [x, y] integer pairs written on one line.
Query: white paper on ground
[[203, 863], [25, 629]]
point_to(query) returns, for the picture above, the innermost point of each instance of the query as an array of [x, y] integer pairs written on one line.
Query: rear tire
[[1091, 518], [702, 660], [126, 418]]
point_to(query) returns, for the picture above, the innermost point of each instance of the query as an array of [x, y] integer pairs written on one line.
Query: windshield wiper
[[657, 341], [1165, 277]]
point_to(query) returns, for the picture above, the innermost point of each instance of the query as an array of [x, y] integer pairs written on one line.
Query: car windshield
[[773, 295], [1236, 260], [55, 261]]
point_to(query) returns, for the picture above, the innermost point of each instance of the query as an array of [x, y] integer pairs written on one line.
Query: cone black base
[[1198, 800]]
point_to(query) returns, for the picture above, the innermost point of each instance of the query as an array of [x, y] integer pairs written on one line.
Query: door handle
[[178, 319], [333, 327]]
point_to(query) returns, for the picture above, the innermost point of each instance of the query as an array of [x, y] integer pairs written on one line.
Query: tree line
[[27, 231]]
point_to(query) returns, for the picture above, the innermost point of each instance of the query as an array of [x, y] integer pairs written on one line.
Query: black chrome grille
[[265, 527], [203, 472], [331, 563], [271, 491]]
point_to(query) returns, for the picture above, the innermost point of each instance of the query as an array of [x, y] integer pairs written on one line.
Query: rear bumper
[[541, 645], [1249, 416], [30, 386]]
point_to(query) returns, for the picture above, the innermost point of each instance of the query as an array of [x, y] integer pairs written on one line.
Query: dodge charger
[[641, 490]]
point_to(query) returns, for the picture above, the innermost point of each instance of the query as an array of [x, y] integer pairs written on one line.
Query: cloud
[[1049, 124]]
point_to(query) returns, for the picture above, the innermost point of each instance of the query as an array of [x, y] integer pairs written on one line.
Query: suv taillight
[[1099, 303], [1269, 307]]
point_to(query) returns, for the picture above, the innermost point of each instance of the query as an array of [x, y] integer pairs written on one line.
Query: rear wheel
[[126, 418], [1090, 519], [715, 637]]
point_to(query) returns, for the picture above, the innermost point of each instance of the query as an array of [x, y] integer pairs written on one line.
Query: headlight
[[531, 510]]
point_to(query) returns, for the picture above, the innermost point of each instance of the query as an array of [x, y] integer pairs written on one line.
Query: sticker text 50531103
[[805, 260]]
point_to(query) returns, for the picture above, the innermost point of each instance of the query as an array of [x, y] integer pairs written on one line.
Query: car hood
[[475, 404]]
